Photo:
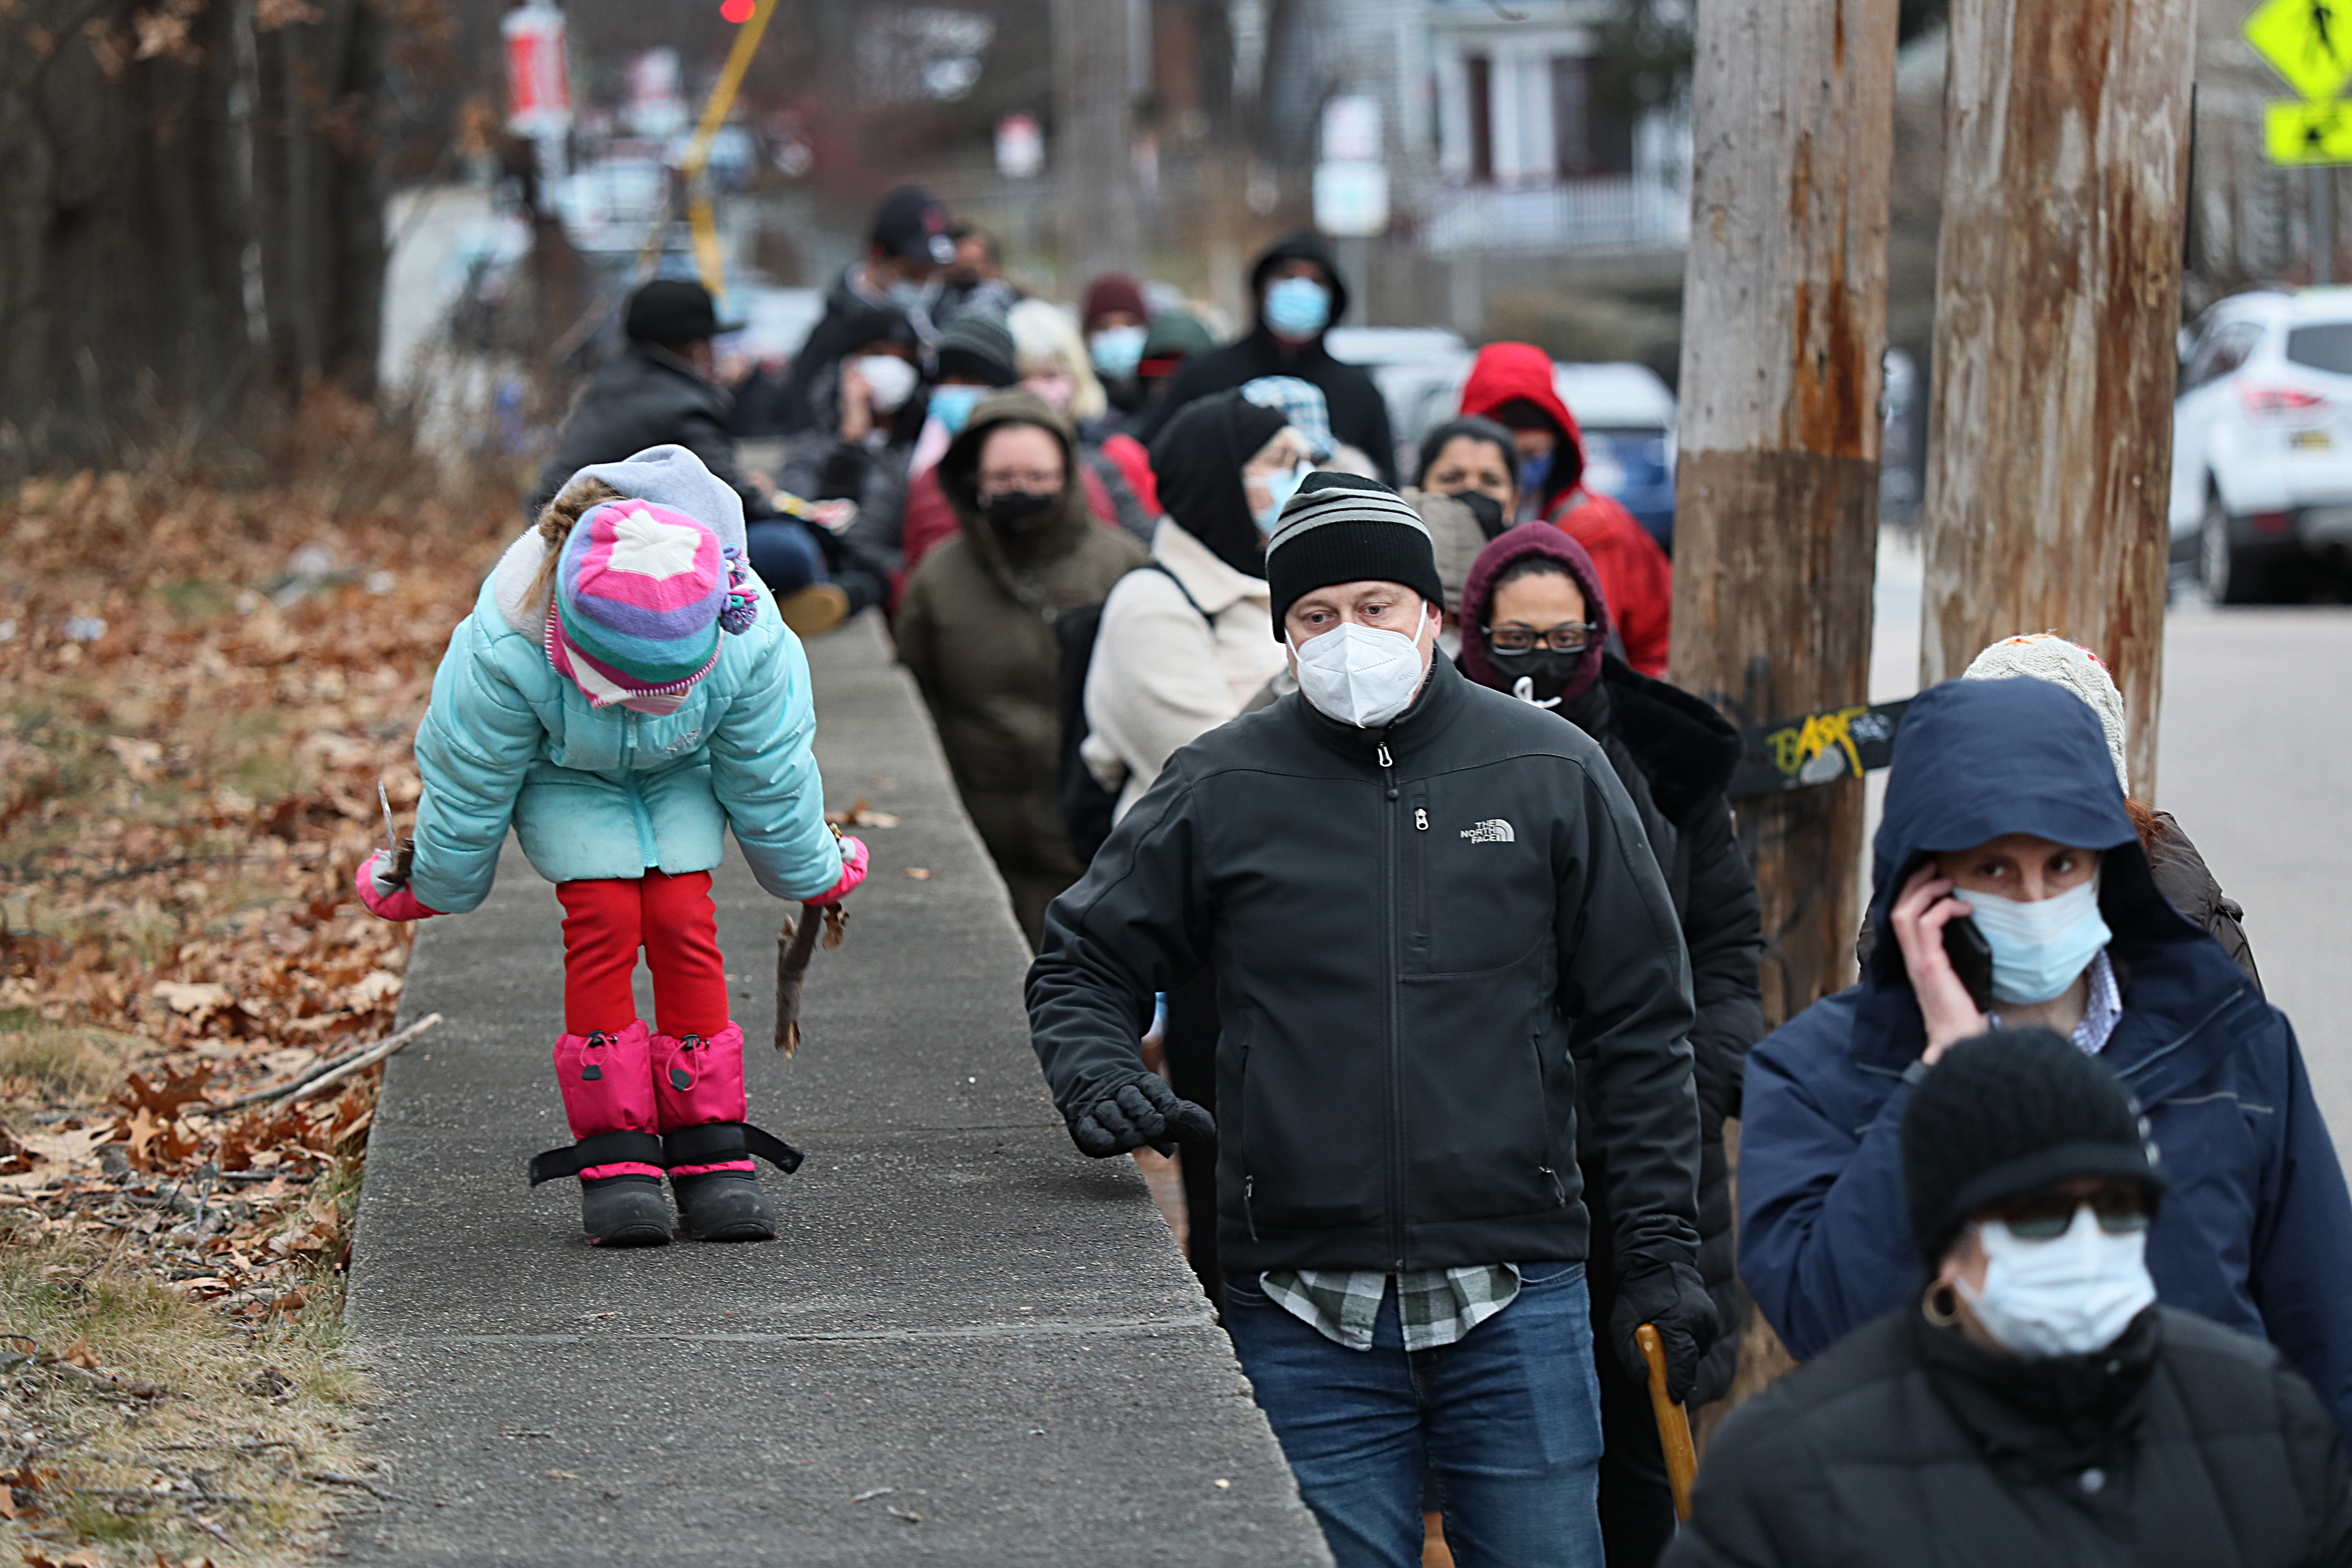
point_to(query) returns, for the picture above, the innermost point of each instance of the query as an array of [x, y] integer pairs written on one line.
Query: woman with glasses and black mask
[[2026, 1401], [1535, 625]]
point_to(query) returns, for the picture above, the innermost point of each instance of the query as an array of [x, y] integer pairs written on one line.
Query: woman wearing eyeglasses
[[1534, 623], [2027, 1400], [2006, 842]]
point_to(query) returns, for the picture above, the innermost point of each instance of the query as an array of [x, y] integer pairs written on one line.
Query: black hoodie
[[1359, 415]]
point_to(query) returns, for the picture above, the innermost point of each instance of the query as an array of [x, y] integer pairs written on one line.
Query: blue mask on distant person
[[952, 406], [1298, 307], [1117, 350], [1534, 472], [1281, 485]]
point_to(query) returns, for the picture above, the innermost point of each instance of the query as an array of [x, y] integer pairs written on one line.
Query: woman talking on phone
[[2006, 847]]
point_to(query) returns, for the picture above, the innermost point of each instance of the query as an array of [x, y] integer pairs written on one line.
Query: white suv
[[2262, 442]]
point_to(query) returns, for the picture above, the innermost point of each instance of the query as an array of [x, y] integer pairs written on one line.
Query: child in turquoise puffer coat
[[622, 694]]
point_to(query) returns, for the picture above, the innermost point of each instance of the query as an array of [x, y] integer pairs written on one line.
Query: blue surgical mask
[[1298, 307], [1281, 485], [1533, 474], [1117, 350], [2039, 948], [952, 406]]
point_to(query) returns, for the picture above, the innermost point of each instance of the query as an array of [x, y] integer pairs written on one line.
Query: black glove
[[1672, 1300], [1129, 1111]]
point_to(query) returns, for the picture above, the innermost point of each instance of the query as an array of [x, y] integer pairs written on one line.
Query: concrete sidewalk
[[970, 1344]]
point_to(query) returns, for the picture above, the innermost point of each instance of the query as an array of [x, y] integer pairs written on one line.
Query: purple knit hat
[[641, 594]]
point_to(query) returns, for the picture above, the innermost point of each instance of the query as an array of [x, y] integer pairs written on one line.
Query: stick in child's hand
[[794, 945]]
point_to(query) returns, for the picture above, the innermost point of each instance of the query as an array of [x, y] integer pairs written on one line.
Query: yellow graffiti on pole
[[1798, 748]]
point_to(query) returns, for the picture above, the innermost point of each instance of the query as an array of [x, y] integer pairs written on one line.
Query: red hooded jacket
[[1635, 576]]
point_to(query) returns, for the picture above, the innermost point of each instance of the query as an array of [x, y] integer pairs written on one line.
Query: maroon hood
[[1502, 552]]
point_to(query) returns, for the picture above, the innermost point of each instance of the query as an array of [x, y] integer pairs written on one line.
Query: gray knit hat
[[2046, 656], [675, 478], [974, 342], [1342, 529]]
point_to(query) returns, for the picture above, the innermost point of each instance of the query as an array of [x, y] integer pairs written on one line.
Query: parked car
[[1627, 415], [2261, 443], [1404, 363]]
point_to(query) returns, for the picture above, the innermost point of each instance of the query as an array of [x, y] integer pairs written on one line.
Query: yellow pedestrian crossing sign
[[2309, 42], [2310, 135]]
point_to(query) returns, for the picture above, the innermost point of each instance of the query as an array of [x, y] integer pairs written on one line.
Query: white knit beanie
[[2046, 656]]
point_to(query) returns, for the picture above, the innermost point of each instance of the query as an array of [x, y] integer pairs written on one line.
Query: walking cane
[[1674, 1426]]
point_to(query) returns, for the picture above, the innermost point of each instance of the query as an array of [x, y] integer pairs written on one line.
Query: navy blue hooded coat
[[2256, 1231]]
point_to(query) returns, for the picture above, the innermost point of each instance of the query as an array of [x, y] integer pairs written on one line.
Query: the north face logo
[[1494, 830]]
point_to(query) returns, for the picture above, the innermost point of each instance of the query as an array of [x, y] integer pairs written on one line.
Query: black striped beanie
[[1339, 528]]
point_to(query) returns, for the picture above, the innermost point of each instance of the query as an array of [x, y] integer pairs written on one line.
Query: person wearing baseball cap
[[906, 251], [662, 390], [2027, 1400], [1445, 957]]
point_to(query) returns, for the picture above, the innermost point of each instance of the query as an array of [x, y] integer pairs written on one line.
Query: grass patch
[[158, 1427], [76, 1064]]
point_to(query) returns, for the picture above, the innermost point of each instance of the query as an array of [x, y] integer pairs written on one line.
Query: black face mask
[[1548, 669], [1017, 511], [1485, 509]]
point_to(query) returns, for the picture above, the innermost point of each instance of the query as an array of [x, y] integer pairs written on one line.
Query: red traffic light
[[738, 11]]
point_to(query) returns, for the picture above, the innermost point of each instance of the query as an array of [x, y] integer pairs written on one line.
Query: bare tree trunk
[[1784, 324], [1094, 110], [130, 193], [2058, 296]]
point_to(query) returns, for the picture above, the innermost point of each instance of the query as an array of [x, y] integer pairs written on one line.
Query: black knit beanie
[[1339, 528], [2006, 1115]]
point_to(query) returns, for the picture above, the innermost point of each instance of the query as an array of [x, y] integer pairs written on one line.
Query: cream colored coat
[[1160, 676]]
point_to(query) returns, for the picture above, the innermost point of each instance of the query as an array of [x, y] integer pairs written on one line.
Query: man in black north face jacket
[[1426, 926]]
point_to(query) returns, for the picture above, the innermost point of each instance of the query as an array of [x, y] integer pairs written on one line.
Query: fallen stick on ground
[[311, 1078], [365, 1060]]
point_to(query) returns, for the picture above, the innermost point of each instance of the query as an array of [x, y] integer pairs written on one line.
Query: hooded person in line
[[2003, 804], [1301, 296], [1512, 384], [1182, 650], [2027, 1404], [1535, 589], [1117, 322], [975, 627]]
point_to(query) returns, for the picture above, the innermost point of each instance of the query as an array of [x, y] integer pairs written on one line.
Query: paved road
[[2255, 759], [969, 1346]]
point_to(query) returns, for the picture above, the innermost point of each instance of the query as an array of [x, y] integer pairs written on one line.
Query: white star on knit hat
[[649, 547]]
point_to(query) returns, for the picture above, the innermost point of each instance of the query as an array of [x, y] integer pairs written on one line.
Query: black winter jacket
[[650, 397], [1360, 414], [1675, 754], [2182, 1446], [1423, 937]]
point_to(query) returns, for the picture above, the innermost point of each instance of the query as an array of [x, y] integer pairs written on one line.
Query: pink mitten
[[853, 871], [386, 901]]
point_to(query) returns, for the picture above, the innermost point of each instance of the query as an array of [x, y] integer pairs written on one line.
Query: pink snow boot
[[698, 1085], [608, 1099]]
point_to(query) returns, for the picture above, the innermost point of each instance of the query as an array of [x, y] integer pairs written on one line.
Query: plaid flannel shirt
[[1436, 1305]]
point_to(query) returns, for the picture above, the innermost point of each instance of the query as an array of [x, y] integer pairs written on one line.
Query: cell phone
[[1971, 958]]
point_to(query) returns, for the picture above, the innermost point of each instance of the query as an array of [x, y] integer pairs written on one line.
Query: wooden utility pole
[[1094, 138], [2058, 300], [1776, 517]]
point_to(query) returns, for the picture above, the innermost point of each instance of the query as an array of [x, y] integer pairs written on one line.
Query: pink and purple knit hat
[[642, 592]]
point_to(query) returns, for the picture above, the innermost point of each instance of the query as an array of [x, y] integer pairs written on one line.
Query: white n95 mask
[[1358, 676]]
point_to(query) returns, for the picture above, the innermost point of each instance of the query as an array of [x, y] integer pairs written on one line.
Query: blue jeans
[[785, 553], [1508, 1419]]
